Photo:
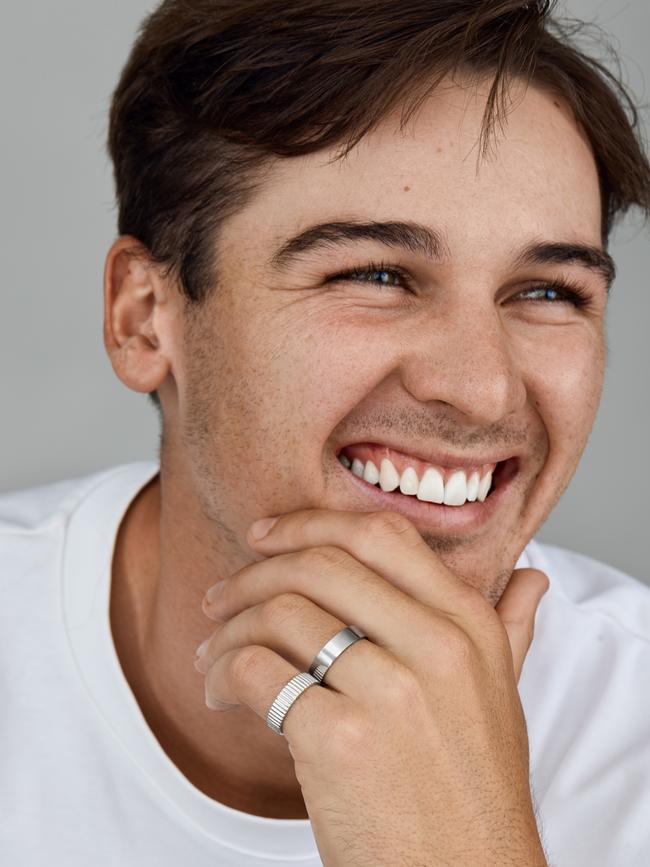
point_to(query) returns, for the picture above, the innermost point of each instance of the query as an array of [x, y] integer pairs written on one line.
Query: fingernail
[[215, 591], [200, 650], [261, 528]]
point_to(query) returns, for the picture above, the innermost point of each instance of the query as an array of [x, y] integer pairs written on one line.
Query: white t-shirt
[[83, 780]]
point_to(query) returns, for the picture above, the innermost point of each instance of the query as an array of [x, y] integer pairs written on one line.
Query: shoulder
[[28, 511], [584, 690], [592, 590]]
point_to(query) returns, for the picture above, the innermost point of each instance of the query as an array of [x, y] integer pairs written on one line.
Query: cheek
[[319, 367], [565, 384]]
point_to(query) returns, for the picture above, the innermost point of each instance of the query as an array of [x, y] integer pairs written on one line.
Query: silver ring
[[286, 697], [333, 649]]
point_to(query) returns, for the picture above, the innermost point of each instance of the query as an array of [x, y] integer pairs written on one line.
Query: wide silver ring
[[333, 649], [286, 697]]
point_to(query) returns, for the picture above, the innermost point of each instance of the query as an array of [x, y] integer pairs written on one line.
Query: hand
[[416, 751]]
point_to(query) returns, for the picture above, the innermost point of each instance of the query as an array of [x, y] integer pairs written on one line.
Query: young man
[[363, 272]]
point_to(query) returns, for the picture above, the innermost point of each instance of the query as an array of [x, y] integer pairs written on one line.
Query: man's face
[[465, 356]]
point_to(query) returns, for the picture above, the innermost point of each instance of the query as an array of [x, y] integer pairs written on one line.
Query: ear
[[136, 301]]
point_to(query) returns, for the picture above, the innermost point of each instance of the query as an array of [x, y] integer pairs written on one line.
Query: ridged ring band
[[286, 697], [315, 676]]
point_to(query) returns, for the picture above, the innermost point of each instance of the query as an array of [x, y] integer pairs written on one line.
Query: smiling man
[[362, 270]]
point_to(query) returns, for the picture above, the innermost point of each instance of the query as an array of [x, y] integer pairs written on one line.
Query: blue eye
[[553, 293], [557, 293], [384, 276], [379, 274]]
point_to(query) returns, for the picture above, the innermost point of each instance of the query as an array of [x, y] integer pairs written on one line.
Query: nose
[[467, 360]]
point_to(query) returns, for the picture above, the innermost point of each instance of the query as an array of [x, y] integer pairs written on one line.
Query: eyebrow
[[410, 236], [418, 238], [593, 258]]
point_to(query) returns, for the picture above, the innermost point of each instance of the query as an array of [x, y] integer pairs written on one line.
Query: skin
[[393, 777], [278, 370]]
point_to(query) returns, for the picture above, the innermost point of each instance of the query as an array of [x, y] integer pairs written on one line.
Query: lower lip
[[437, 516]]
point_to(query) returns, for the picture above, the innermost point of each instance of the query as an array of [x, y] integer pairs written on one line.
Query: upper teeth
[[431, 487]]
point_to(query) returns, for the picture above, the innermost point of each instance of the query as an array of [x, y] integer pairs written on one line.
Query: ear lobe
[[134, 297]]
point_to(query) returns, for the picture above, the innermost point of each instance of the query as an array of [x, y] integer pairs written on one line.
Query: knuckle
[[474, 605], [454, 649], [307, 519], [403, 688], [348, 737], [470, 595], [381, 524], [279, 609], [324, 557], [248, 663]]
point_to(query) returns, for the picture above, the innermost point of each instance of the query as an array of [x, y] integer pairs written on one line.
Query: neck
[[162, 568]]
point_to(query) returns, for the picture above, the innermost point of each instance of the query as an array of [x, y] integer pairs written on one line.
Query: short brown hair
[[214, 89]]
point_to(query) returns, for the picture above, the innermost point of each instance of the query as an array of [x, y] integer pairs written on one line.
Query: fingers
[[517, 608], [386, 542], [324, 570], [252, 676], [336, 583], [296, 629]]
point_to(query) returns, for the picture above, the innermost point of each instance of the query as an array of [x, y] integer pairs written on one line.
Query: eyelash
[[572, 292]]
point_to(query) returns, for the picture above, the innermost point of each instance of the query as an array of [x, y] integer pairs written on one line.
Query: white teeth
[[409, 483], [388, 476], [431, 488], [456, 489], [484, 487], [371, 473], [472, 486]]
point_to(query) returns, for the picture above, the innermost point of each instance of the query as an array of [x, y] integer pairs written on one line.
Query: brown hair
[[214, 89]]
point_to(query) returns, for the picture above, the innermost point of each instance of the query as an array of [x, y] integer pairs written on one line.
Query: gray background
[[65, 414]]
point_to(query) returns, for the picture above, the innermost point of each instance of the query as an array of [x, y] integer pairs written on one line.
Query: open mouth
[[425, 491]]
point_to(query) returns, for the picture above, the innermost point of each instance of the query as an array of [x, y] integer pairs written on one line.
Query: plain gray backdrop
[[65, 414]]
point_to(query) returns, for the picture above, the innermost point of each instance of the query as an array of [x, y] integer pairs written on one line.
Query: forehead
[[539, 177]]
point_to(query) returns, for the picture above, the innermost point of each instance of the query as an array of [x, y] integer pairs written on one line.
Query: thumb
[[517, 608]]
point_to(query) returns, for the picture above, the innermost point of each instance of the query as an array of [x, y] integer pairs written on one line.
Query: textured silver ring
[[286, 697], [333, 649]]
